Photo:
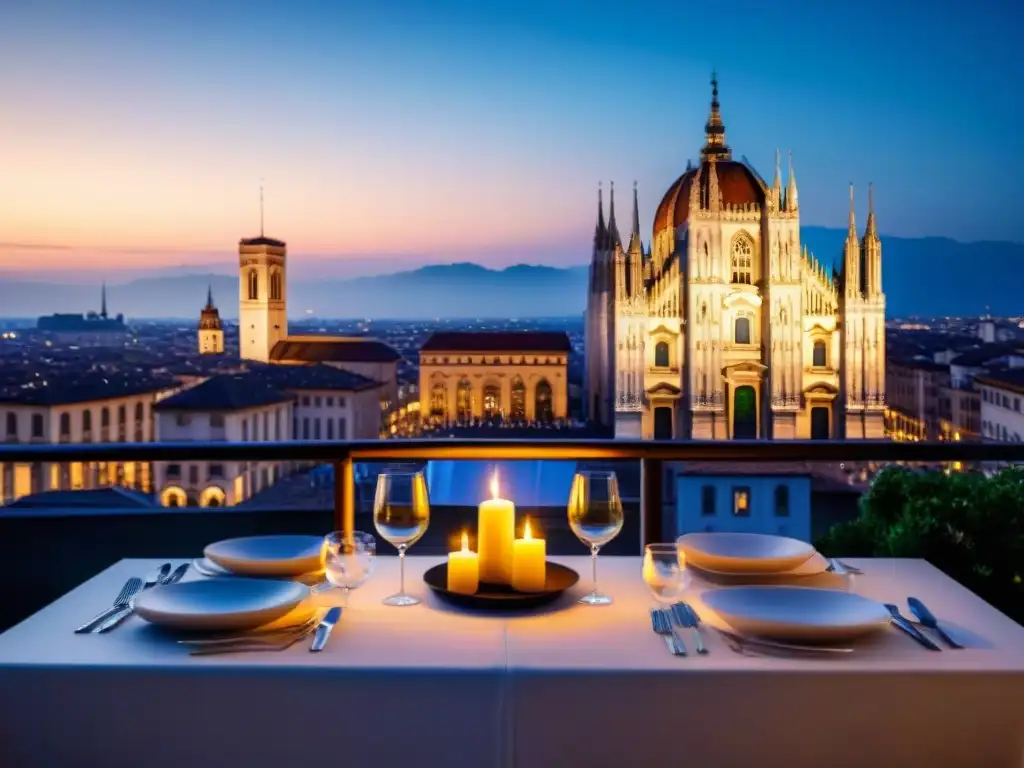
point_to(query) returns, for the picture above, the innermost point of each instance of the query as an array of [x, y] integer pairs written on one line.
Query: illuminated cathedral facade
[[724, 326]]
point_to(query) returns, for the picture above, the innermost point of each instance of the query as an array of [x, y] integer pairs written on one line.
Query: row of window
[[317, 401], [999, 432], [742, 501], [494, 361], [213, 471], [254, 285], [321, 429], [1001, 399], [64, 419], [466, 401]]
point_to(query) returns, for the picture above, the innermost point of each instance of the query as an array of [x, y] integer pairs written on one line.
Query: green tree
[[967, 524]]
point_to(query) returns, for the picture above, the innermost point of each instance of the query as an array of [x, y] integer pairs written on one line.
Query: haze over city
[[135, 137]]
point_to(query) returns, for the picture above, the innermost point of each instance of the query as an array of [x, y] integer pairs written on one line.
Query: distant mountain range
[[922, 276]]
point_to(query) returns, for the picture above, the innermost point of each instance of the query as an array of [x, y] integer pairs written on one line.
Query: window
[[217, 420], [305, 400], [216, 470], [782, 501], [65, 425], [330, 402], [517, 407], [707, 500], [742, 251], [140, 412], [254, 285], [37, 425], [266, 426], [492, 400], [295, 427], [661, 354], [275, 285], [316, 429], [86, 421], [245, 430], [342, 429], [330, 429], [543, 407], [316, 401], [105, 417], [341, 402], [463, 401], [741, 501], [819, 360], [122, 415], [742, 330], [305, 428], [12, 424], [277, 425], [174, 470], [193, 474]]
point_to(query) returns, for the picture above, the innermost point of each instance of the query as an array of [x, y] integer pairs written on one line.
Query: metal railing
[[652, 455]]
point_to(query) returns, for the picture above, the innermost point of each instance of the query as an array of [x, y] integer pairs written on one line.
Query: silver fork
[[273, 641], [128, 591], [662, 624], [741, 644], [159, 575], [685, 616]]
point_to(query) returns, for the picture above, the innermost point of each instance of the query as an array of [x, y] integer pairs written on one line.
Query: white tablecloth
[[572, 685]]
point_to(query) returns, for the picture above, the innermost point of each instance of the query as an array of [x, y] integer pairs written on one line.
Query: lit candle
[[463, 569], [496, 532], [528, 563]]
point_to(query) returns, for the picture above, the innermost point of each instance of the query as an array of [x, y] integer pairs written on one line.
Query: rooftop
[[333, 349], [64, 389], [316, 376], [262, 240], [498, 341], [226, 392], [1011, 379]]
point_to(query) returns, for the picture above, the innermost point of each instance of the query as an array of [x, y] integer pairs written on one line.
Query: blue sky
[[451, 130]]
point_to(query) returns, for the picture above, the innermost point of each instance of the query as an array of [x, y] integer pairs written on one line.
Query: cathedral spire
[[871, 247], [209, 297], [852, 230], [851, 257], [600, 231], [636, 214], [791, 197], [714, 129], [103, 301], [777, 183], [714, 192], [613, 229], [871, 230]]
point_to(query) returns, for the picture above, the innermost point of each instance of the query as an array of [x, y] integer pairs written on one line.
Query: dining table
[[564, 684]]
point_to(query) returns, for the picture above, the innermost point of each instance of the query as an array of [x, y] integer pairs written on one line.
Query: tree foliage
[[969, 525]]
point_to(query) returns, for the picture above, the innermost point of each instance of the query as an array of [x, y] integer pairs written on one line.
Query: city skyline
[[470, 133]]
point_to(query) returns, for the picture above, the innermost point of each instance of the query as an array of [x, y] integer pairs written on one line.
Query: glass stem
[[401, 569], [593, 564], [345, 599]]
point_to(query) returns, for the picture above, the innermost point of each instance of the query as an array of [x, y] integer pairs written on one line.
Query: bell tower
[[262, 315], [211, 332]]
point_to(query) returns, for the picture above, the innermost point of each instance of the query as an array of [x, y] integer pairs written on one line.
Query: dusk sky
[[437, 130]]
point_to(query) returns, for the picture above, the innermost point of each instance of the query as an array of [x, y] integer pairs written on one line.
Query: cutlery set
[[124, 603], [926, 619]]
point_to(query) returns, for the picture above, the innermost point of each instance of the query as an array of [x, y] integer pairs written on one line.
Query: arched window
[[742, 330], [543, 407], [122, 415], [275, 285], [819, 359], [518, 404], [661, 354], [253, 281], [492, 400], [742, 258], [463, 401], [87, 421], [139, 412], [439, 401], [782, 501], [105, 417]]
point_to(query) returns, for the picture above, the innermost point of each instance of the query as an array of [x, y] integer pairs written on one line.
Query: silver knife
[[160, 577], [909, 628], [927, 618], [176, 575], [127, 592], [323, 631]]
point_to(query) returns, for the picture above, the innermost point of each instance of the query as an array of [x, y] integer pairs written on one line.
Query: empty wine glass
[[595, 516], [663, 572], [349, 559], [401, 513]]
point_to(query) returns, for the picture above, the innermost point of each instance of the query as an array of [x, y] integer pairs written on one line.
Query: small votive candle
[[463, 569], [528, 563]]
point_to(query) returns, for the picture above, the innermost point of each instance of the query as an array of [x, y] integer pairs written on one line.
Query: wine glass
[[663, 572], [595, 516], [401, 513], [349, 559]]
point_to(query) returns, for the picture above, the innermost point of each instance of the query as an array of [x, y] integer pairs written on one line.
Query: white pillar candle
[[496, 533], [529, 563]]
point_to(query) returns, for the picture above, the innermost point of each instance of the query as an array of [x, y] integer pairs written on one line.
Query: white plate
[[274, 556], [220, 604], [815, 565], [797, 613], [744, 552], [206, 567]]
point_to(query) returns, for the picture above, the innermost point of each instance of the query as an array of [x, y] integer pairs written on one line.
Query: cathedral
[[724, 326]]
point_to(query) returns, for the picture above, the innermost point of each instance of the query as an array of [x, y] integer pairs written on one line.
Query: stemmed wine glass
[[401, 513], [348, 560], [595, 516], [664, 573]]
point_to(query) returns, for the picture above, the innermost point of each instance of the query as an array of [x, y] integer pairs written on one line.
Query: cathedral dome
[[737, 183]]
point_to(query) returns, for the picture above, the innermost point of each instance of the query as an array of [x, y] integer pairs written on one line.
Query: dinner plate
[[206, 567], [220, 604], [744, 552], [797, 613], [815, 565], [273, 556]]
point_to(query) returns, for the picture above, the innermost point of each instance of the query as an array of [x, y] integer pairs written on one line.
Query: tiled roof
[[226, 392], [491, 341], [317, 376], [84, 388], [106, 498], [333, 349]]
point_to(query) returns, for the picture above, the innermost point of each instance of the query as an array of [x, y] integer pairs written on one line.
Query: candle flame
[[465, 542], [526, 529], [494, 485]]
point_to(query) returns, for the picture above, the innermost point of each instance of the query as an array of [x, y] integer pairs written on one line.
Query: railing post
[[651, 501], [344, 495]]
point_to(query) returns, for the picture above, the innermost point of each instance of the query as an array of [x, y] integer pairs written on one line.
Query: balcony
[[657, 480]]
